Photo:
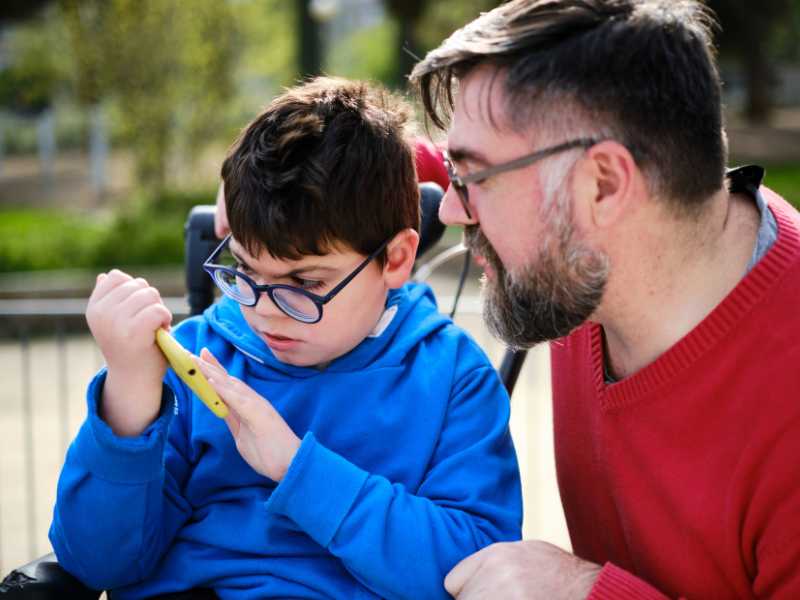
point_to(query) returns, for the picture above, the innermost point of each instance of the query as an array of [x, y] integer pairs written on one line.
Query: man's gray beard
[[552, 295]]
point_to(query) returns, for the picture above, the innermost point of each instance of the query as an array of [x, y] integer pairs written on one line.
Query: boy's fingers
[[211, 370], [154, 316], [106, 282], [233, 422], [121, 292], [251, 409], [206, 355], [233, 393]]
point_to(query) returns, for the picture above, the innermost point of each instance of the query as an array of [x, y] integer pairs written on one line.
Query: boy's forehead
[[333, 254]]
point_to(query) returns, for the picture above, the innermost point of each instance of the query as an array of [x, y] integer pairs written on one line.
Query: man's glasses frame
[[216, 271], [460, 183]]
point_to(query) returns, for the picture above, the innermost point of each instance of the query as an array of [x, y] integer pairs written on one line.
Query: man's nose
[[451, 210]]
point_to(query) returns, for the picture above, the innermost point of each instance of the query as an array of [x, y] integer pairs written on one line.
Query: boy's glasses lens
[[297, 306], [235, 287]]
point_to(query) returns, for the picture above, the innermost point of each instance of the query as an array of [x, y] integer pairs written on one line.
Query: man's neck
[[672, 273]]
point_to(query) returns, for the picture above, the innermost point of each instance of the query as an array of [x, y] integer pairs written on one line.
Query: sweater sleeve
[[401, 542], [117, 505], [617, 584]]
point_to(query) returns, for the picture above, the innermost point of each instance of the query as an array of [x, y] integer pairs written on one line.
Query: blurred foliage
[[367, 54], [440, 19], [785, 180], [149, 232], [177, 77], [30, 83], [168, 69], [757, 39]]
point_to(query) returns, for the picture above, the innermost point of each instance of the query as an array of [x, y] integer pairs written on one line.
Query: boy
[[367, 448]]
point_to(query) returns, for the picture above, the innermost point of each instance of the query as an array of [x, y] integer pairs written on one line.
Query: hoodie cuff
[[122, 459], [614, 583], [317, 491]]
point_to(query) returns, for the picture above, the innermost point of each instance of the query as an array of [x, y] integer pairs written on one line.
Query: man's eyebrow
[[465, 154], [287, 275]]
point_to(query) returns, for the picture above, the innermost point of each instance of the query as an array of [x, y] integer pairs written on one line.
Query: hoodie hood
[[413, 305]]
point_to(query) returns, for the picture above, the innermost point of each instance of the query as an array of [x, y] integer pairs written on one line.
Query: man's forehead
[[480, 97], [480, 118]]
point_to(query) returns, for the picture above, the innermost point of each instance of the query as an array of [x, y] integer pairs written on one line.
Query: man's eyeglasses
[[298, 303], [460, 183]]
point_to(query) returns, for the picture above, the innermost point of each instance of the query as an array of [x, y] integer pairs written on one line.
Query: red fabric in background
[[430, 163]]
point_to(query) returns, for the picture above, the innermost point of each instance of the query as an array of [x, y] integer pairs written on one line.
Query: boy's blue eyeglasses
[[300, 304], [460, 182]]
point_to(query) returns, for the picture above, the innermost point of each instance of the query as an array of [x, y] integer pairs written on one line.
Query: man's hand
[[123, 314], [528, 569], [262, 437]]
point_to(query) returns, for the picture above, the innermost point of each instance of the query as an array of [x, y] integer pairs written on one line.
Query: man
[[587, 158]]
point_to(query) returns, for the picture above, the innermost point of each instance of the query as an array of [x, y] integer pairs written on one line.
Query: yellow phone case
[[181, 361]]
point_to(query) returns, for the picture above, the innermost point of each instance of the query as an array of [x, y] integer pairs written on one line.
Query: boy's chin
[[318, 360]]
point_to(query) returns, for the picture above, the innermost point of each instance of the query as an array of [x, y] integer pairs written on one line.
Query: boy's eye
[[242, 268], [307, 284]]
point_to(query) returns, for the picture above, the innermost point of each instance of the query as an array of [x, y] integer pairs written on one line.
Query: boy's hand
[[123, 314], [262, 437]]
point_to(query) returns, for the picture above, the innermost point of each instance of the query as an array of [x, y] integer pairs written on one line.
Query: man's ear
[[400, 255], [604, 180]]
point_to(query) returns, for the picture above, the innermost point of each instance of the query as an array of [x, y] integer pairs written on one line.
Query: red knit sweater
[[684, 478]]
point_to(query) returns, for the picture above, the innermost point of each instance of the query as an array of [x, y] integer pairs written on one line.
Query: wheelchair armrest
[[44, 579]]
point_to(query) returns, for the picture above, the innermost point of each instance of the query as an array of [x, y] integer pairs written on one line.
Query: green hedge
[[151, 233], [785, 180]]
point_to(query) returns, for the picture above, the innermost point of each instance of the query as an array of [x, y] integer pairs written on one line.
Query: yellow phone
[[184, 366]]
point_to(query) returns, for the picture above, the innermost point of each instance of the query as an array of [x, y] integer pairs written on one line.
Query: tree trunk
[[309, 45], [759, 85]]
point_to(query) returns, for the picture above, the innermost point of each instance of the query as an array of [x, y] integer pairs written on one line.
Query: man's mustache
[[477, 243]]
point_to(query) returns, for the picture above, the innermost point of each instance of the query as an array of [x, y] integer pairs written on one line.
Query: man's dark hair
[[640, 71], [326, 164]]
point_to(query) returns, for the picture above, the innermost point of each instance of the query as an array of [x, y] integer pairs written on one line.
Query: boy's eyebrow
[[291, 273]]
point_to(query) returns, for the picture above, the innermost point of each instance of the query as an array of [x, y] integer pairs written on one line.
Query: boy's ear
[[400, 255]]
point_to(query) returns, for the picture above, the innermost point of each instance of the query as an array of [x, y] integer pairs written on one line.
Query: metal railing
[[47, 357]]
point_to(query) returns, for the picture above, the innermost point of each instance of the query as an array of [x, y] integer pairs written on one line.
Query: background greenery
[[177, 81]]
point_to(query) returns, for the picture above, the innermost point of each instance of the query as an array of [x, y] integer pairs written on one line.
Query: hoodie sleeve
[[401, 543], [118, 502]]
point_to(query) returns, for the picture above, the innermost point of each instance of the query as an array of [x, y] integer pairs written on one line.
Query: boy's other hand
[[262, 437], [123, 314]]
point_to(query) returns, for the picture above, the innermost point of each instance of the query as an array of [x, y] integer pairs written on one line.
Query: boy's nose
[[451, 210], [265, 307]]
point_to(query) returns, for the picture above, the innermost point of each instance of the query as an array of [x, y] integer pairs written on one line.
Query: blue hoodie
[[406, 466]]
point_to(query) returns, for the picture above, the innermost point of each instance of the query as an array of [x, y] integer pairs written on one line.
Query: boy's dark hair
[[640, 71], [326, 164]]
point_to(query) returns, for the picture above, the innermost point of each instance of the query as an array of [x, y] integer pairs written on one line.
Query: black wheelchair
[[43, 578]]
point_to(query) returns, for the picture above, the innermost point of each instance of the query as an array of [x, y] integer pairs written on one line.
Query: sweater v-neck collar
[[722, 320]]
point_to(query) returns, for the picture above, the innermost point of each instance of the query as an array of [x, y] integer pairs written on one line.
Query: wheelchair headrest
[[431, 228]]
